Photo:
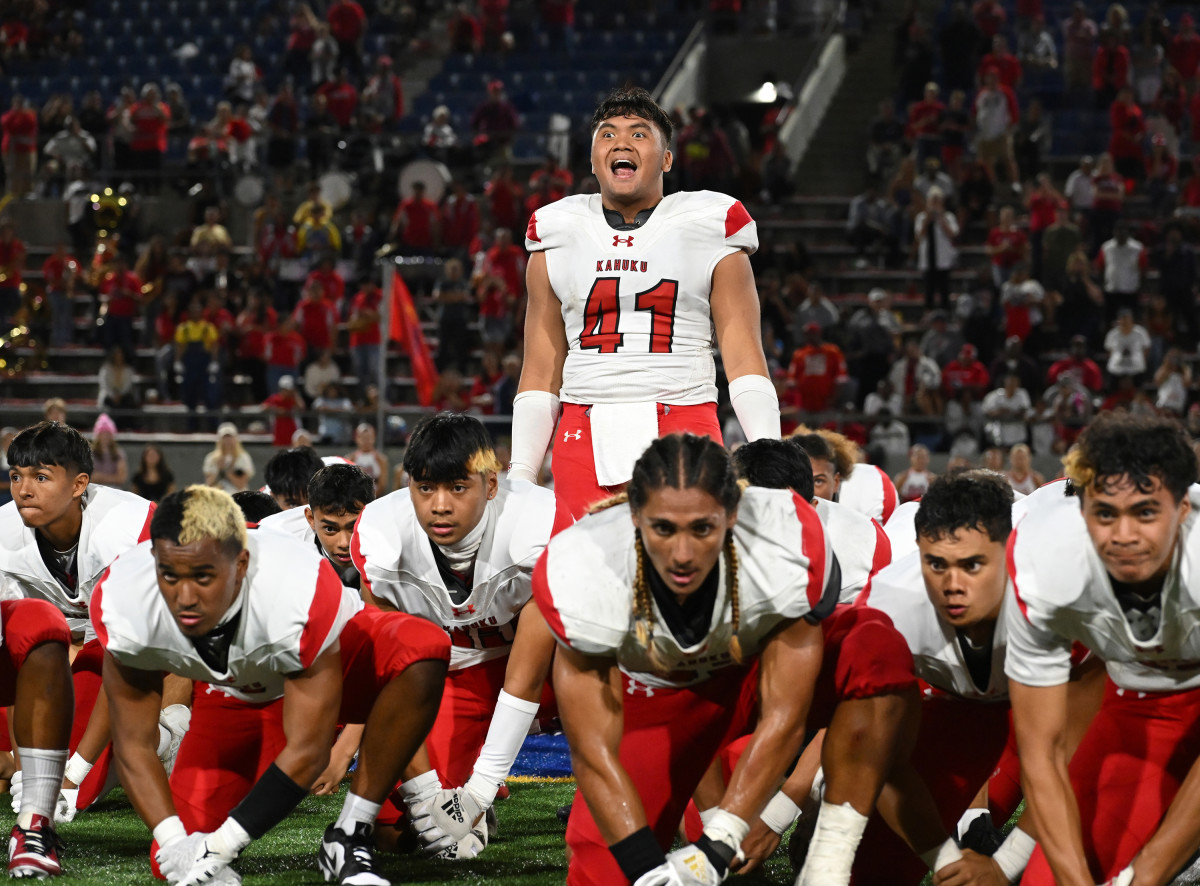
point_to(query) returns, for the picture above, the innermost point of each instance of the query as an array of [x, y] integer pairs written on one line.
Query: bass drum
[[337, 188], [434, 175], [249, 191]]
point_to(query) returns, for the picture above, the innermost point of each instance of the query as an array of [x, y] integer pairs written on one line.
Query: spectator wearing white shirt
[[936, 231], [319, 374], [1035, 47], [1121, 260], [892, 436], [1080, 189], [1007, 411], [1127, 345], [1022, 298]]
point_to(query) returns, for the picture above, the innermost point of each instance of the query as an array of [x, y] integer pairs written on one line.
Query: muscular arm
[[311, 699], [134, 700], [790, 663], [589, 699], [736, 317], [531, 655], [1040, 718], [545, 334]]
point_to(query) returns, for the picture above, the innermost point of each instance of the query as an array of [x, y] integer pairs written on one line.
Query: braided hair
[[683, 461]]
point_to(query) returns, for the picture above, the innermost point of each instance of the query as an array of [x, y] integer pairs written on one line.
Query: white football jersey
[[395, 559], [636, 303], [902, 531], [113, 522], [899, 591], [584, 587], [869, 491], [293, 608], [1062, 594], [858, 542]]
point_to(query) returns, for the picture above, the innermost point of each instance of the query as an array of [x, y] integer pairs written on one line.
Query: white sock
[[831, 852], [41, 779], [164, 740], [356, 810]]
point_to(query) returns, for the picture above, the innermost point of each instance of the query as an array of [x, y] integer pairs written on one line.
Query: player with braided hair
[[716, 580]]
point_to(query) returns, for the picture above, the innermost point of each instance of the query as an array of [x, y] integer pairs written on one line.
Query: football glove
[[64, 810], [210, 855], [693, 867], [663, 875], [1125, 878], [424, 797]]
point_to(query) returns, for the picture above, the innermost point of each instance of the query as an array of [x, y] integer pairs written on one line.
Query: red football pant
[[670, 737], [26, 623], [1126, 772], [574, 465]]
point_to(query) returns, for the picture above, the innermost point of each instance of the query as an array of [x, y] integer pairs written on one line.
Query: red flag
[[405, 328]]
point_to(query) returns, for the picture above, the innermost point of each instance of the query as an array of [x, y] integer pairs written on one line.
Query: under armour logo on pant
[[567, 435]]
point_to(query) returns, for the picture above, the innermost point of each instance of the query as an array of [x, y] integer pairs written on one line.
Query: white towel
[[620, 434]]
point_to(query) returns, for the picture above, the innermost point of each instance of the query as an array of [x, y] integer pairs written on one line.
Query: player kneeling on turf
[[658, 605], [262, 622]]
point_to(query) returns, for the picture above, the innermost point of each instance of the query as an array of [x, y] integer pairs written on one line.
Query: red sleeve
[[545, 602], [322, 613], [882, 557], [357, 557], [812, 544], [145, 533], [1010, 561], [531, 230], [96, 610], [736, 218], [889, 492]]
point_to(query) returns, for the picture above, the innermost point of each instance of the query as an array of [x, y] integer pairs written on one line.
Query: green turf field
[[109, 845]]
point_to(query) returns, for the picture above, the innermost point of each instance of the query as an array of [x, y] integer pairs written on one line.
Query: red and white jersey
[[292, 608], [113, 522], [899, 591], [902, 531], [584, 587], [1062, 594], [858, 542], [869, 491], [636, 303], [394, 556], [290, 522]]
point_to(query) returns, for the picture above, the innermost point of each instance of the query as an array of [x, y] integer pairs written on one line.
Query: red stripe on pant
[[574, 464], [1126, 772]]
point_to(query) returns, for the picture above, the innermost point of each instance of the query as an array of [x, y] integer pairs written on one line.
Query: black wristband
[[638, 853], [719, 854], [269, 802]]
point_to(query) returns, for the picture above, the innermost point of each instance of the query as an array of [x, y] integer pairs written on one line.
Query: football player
[[57, 536], [458, 547], [1117, 574], [287, 474], [626, 288], [839, 475], [281, 652], [659, 607]]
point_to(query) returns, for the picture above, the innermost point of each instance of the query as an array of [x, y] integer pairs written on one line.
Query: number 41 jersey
[[636, 303]]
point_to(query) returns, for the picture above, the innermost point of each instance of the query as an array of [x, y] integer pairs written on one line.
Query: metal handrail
[[693, 37]]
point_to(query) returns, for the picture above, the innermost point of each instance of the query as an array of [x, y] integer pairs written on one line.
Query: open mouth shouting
[[623, 169]]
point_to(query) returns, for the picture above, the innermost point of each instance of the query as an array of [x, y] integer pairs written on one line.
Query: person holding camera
[[228, 466]]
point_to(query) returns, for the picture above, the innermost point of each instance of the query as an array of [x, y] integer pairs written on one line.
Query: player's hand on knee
[[758, 846], [693, 867], [972, 869]]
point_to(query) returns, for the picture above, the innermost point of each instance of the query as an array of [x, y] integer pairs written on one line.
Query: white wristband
[[426, 782], [940, 856], [725, 827], [510, 724], [534, 417], [168, 831], [230, 838], [77, 769], [756, 405], [1014, 853], [780, 813]]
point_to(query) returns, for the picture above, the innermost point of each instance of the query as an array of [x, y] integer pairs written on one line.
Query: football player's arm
[[134, 700], [340, 758], [536, 406], [1040, 719], [736, 319], [589, 697], [311, 699]]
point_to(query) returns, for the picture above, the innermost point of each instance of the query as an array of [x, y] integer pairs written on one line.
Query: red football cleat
[[33, 851]]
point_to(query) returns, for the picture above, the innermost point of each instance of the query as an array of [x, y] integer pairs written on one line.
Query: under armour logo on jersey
[[567, 435], [469, 609], [617, 240]]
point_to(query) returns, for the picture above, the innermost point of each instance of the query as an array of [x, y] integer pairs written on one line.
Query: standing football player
[[1118, 575], [659, 606], [626, 288]]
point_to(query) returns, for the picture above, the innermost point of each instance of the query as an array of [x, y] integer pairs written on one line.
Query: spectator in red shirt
[[1006, 64], [460, 220], [542, 195], [1078, 363], [466, 33], [59, 273], [1043, 202], [495, 119], [989, 17], [20, 145], [284, 407], [302, 34], [284, 349], [506, 261], [924, 124], [148, 120], [1110, 69], [347, 23], [120, 296], [1128, 131], [965, 375], [12, 260], [561, 179], [818, 368], [326, 276], [365, 335], [256, 321], [222, 320], [417, 224], [504, 199], [1184, 52], [316, 318], [341, 98], [1006, 245]]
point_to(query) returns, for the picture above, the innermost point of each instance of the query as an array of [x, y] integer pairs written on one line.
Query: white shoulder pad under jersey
[[899, 591], [584, 587], [1063, 594], [290, 522], [395, 559], [113, 522], [900, 529], [858, 542], [636, 303], [869, 491], [293, 608]]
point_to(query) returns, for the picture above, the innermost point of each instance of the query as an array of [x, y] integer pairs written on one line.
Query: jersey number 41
[[602, 316]]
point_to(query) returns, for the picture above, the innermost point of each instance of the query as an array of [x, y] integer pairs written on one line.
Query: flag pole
[[385, 328]]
